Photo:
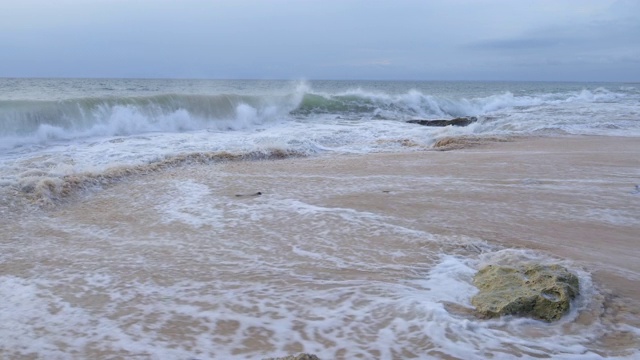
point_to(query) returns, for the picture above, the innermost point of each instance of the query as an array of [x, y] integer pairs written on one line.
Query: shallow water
[[92, 130], [344, 256]]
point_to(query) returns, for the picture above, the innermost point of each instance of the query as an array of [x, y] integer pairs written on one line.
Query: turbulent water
[[184, 272], [54, 128]]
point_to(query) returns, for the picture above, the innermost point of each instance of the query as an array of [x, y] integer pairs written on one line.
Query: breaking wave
[[40, 122], [417, 104]]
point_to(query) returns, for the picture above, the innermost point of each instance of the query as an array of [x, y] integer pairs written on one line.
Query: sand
[[573, 197], [333, 250]]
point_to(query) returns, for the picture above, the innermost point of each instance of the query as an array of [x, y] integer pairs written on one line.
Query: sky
[[536, 40]]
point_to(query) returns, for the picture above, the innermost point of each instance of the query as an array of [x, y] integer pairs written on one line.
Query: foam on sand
[[340, 257]]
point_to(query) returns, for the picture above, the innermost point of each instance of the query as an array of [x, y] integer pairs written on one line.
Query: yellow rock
[[538, 291]]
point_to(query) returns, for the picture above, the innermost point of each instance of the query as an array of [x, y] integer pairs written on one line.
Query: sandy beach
[[574, 197], [334, 252]]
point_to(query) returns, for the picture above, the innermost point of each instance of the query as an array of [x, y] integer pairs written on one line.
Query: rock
[[297, 357], [461, 121], [537, 291], [249, 195]]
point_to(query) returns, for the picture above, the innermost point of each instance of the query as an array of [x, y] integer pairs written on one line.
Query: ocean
[[223, 219]]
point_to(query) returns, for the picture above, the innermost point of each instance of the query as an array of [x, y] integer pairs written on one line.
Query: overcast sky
[[576, 40]]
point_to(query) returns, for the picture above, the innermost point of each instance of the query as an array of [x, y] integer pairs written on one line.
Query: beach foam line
[[465, 141], [50, 191]]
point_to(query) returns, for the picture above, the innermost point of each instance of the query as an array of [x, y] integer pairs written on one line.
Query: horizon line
[[308, 79]]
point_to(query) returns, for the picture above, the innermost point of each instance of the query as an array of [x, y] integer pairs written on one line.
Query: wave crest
[[23, 122], [37, 122]]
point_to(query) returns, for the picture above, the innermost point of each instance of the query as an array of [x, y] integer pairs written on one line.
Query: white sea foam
[[275, 276], [226, 318], [136, 130], [189, 202]]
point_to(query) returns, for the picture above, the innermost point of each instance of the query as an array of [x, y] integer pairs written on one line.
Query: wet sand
[[573, 197], [332, 252]]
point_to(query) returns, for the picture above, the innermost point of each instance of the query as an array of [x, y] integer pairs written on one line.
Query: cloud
[[618, 26], [517, 44], [372, 62], [412, 39], [599, 46]]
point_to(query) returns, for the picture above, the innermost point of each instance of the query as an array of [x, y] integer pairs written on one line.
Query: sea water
[[123, 235], [50, 128]]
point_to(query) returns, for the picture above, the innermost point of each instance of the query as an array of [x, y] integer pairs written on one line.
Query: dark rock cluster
[[461, 121]]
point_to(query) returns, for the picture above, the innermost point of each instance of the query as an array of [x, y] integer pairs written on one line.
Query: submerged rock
[[537, 291], [461, 121]]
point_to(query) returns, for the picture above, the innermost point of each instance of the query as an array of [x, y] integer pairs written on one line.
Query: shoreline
[[329, 250], [465, 160], [564, 172]]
